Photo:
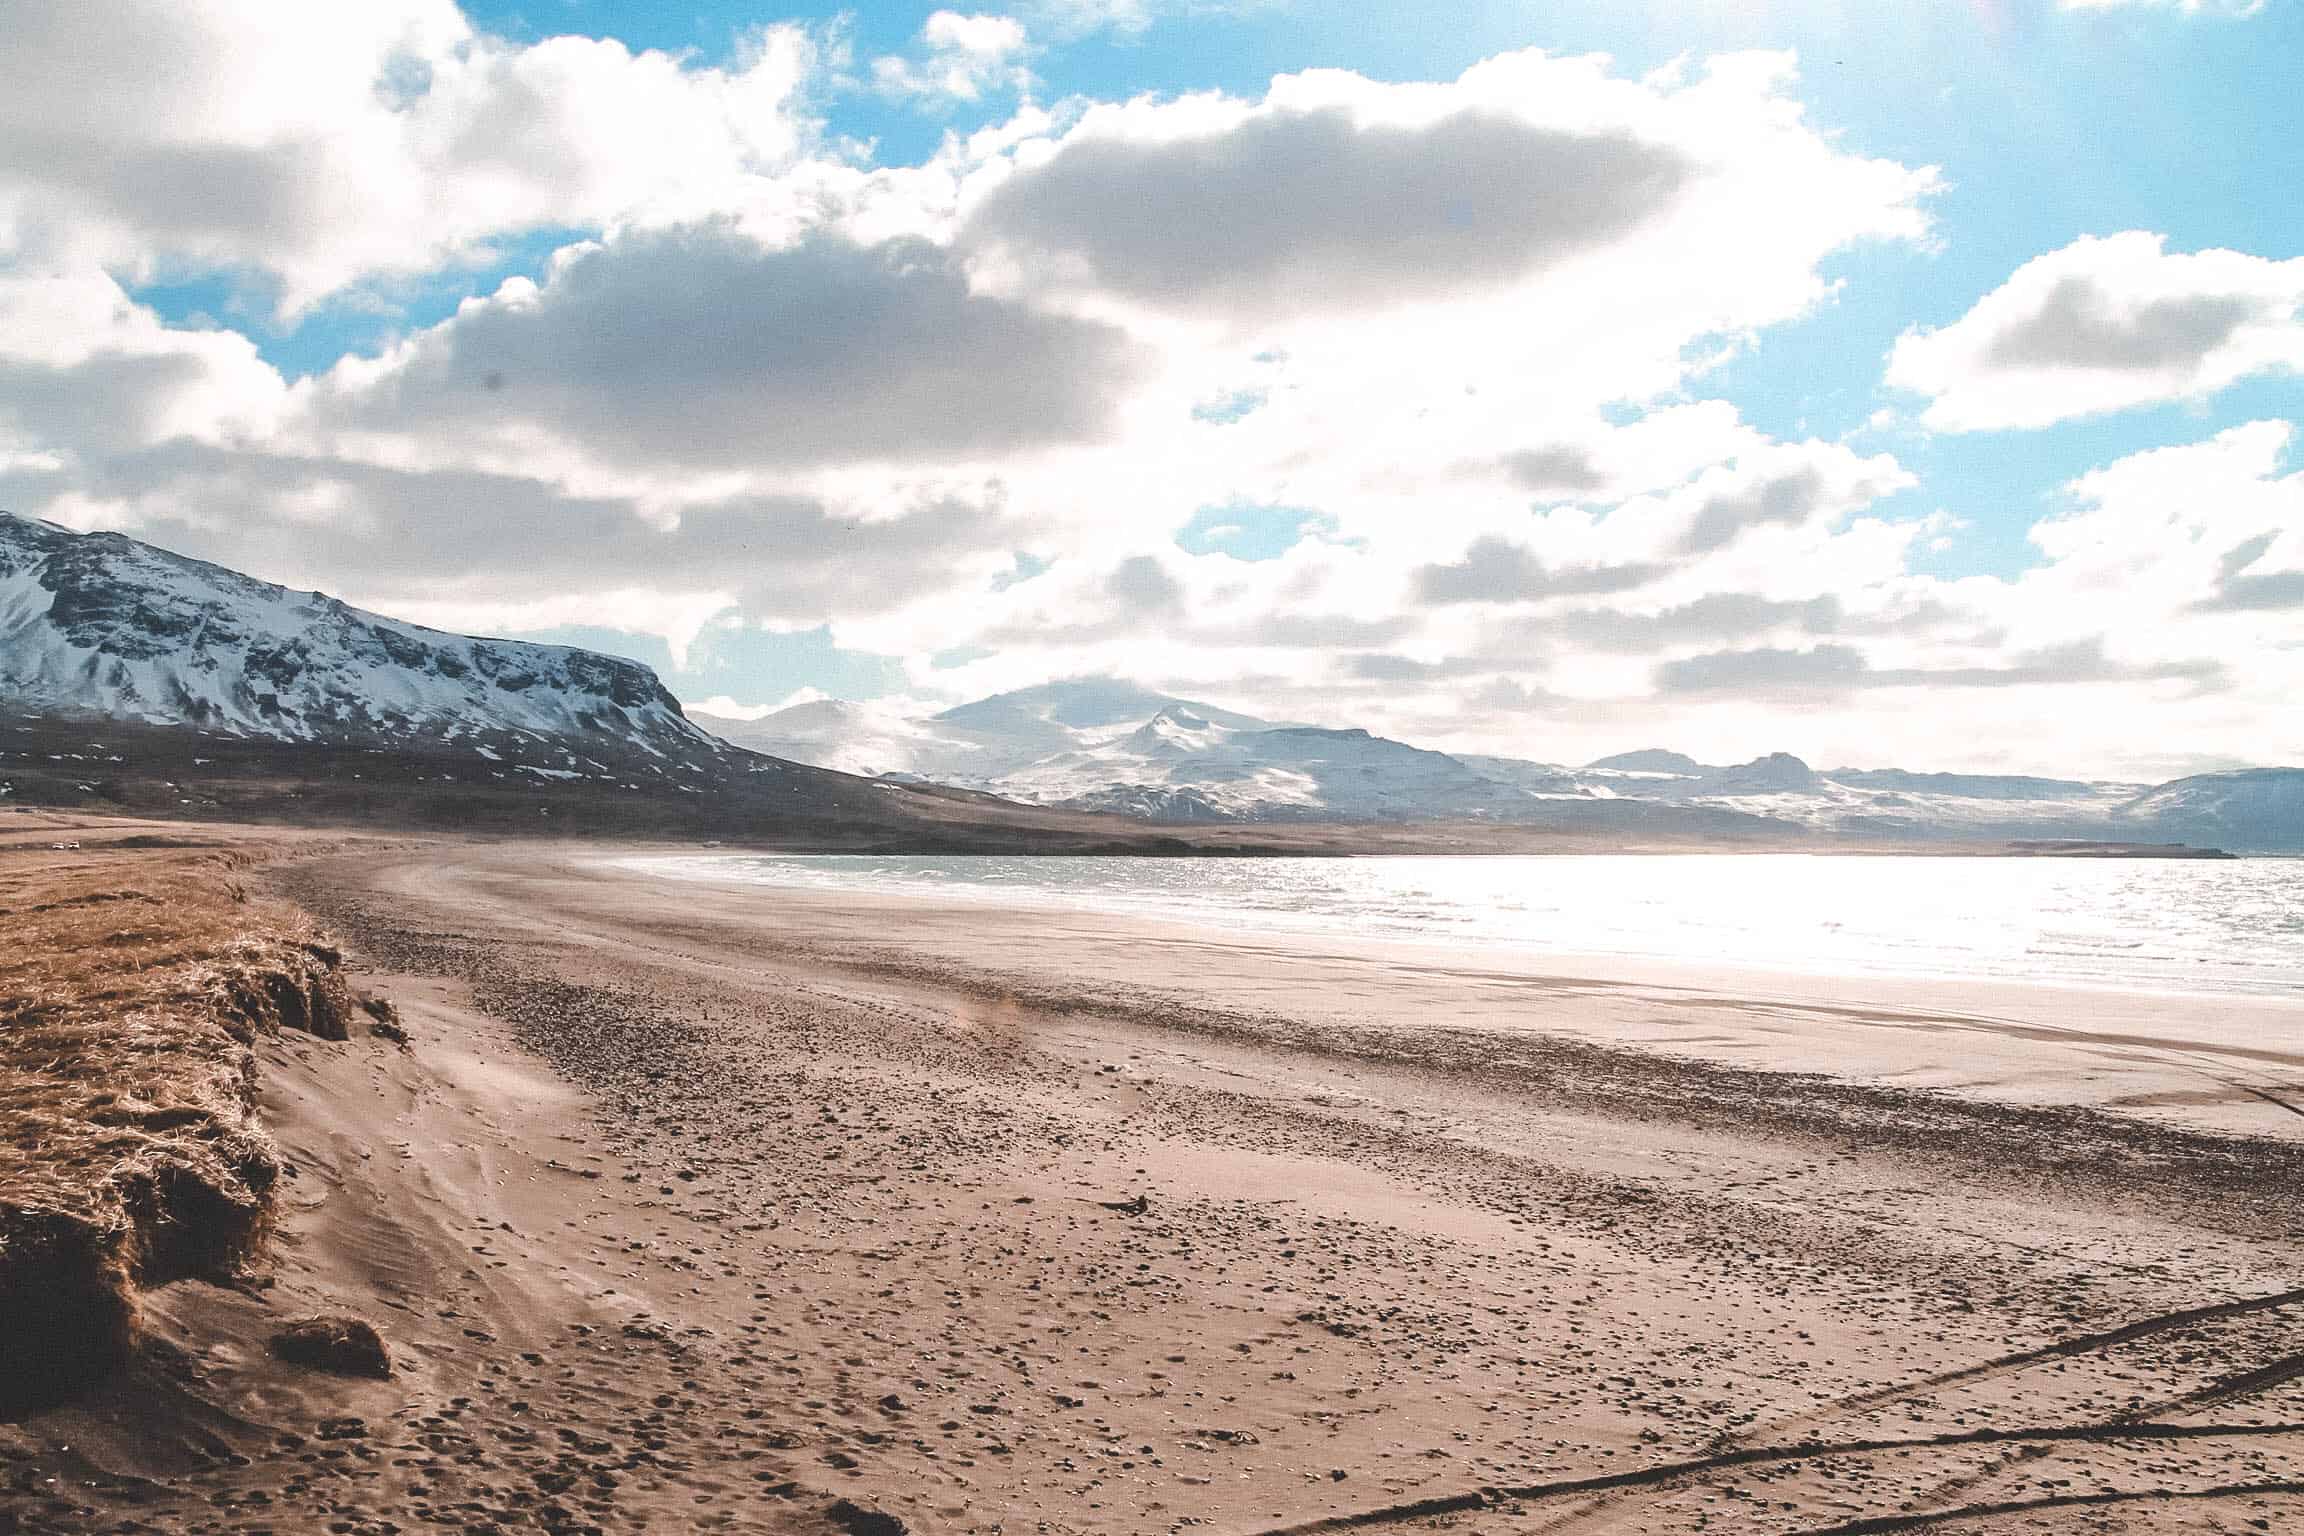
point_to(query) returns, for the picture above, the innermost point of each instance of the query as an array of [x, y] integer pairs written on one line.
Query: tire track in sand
[[1670, 1471], [1733, 1455], [1882, 1525]]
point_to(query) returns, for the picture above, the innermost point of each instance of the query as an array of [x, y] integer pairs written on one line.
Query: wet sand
[[696, 1207], [2218, 1061]]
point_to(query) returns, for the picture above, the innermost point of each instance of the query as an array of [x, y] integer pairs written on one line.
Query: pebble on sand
[[344, 1345]]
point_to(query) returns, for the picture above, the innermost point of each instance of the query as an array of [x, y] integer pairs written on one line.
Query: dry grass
[[132, 981]]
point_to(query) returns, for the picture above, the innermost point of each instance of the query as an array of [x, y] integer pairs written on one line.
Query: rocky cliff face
[[103, 626]]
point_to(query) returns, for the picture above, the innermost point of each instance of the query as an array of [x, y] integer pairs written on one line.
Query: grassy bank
[[135, 974]]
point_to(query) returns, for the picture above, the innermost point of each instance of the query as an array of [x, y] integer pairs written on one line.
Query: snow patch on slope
[[1108, 745], [99, 624]]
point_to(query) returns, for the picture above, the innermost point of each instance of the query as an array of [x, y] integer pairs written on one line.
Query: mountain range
[[142, 679], [218, 674], [1109, 745]]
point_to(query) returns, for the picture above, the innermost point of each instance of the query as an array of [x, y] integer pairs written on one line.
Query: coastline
[[689, 1209], [2080, 1042], [1314, 924]]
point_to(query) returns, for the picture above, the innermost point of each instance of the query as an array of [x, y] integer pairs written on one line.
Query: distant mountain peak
[[1179, 727], [1774, 771], [1650, 760], [2255, 808], [1078, 702]]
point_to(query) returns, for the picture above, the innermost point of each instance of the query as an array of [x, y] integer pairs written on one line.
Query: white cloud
[[324, 146], [697, 349], [1336, 194], [2159, 570], [2169, 590], [2106, 325], [1463, 329], [962, 58], [1775, 496], [2208, 528], [85, 371], [726, 708], [676, 617]]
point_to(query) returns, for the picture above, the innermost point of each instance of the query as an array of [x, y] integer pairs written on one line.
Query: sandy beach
[[697, 1206]]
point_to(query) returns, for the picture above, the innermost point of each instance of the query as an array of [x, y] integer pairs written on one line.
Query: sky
[[1905, 385]]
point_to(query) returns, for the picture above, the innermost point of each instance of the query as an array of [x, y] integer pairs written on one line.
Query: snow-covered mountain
[[1104, 744], [1882, 801], [1651, 760], [1973, 786], [1260, 773], [2243, 807], [102, 627], [976, 745], [852, 738], [1101, 744], [98, 625]]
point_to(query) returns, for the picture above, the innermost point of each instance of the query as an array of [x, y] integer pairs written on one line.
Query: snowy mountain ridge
[[1110, 745], [101, 625], [98, 626]]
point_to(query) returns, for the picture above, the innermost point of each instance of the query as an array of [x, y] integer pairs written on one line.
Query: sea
[[2162, 925]]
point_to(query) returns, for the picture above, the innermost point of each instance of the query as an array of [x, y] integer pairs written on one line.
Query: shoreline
[[2259, 1037], [1629, 965], [698, 1211]]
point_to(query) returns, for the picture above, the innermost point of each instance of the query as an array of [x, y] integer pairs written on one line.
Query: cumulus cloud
[[958, 412], [698, 347], [961, 58], [2243, 582], [1142, 584], [85, 371], [500, 552], [1714, 616], [719, 402], [322, 146], [2131, 600], [1496, 570], [1310, 208], [2214, 527], [1826, 670], [1786, 500], [2106, 325], [1557, 470], [2268, 591], [1337, 193], [1767, 490], [1385, 667]]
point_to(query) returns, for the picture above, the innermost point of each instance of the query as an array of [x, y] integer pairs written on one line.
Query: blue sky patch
[[1249, 532]]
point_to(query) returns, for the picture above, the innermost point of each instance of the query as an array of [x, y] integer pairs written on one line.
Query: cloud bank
[[1449, 345], [2106, 325]]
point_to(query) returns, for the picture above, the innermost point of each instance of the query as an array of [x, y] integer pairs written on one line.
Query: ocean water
[[2156, 925]]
